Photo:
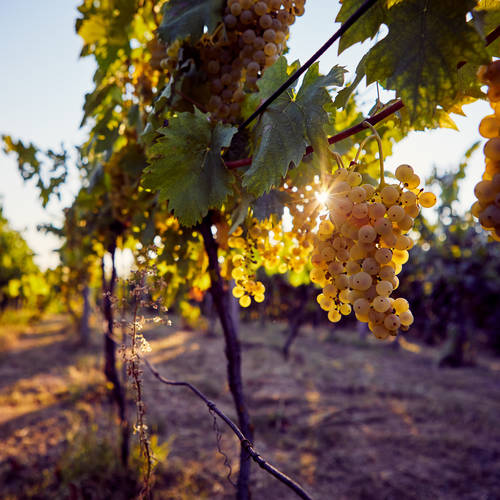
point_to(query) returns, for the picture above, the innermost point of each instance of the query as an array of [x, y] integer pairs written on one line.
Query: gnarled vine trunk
[[110, 370], [222, 303]]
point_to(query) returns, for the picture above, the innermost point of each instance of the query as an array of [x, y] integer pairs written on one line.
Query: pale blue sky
[[43, 84]]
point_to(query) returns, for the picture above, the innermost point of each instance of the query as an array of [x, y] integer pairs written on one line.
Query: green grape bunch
[[487, 191], [361, 246]]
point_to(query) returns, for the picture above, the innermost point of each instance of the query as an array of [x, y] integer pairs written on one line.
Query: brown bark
[[110, 370], [221, 300]]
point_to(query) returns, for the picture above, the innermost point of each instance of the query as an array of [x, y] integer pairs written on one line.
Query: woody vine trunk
[[110, 370], [221, 298]]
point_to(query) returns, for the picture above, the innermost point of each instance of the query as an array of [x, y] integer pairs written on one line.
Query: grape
[[230, 21], [345, 309], [381, 304], [269, 35], [492, 149], [427, 199], [380, 332], [260, 8], [367, 234], [245, 301], [412, 210], [387, 273], [370, 266], [334, 316], [494, 94], [404, 173], [270, 49], [360, 211], [389, 195], [361, 306], [414, 182], [490, 127], [362, 281], [370, 191], [357, 195], [236, 9], [248, 36], [354, 178], [247, 17], [406, 318], [396, 213], [376, 211], [406, 223], [265, 21], [382, 226], [384, 288], [400, 305], [238, 291], [485, 192], [383, 255], [408, 198], [392, 322]]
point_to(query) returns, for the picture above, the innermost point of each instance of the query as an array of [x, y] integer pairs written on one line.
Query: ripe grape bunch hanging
[[487, 191], [361, 245], [251, 37]]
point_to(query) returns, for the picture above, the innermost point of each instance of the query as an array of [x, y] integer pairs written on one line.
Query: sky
[[43, 82]]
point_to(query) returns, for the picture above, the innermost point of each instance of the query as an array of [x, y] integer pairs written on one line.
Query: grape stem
[[361, 146], [381, 154], [338, 159]]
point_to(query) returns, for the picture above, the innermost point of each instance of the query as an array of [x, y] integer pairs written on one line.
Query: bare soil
[[346, 417]]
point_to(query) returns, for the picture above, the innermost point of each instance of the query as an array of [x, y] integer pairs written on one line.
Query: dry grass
[[348, 418]]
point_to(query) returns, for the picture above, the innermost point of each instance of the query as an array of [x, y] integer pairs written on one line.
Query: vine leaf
[[289, 124], [183, 18], [426, 41], [186, 167], [344, 94], [312, 99], [367, 25]]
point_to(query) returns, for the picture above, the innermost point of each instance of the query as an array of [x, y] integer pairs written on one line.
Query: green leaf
[[186, 166], [290, 123], [366, 26], [419, 56], [183, 18], [312, 99], [281, 141], [344, 94]]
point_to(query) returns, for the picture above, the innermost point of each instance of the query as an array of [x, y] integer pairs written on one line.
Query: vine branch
[[245, 443], [393, 108], [372, 120]]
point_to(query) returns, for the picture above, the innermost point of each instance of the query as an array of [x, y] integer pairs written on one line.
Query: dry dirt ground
[[347, 418]]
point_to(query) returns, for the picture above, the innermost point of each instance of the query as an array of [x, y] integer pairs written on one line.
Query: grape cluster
[[304, 209], [361, 245], [487, 191], [254, 35], [244, 266]]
